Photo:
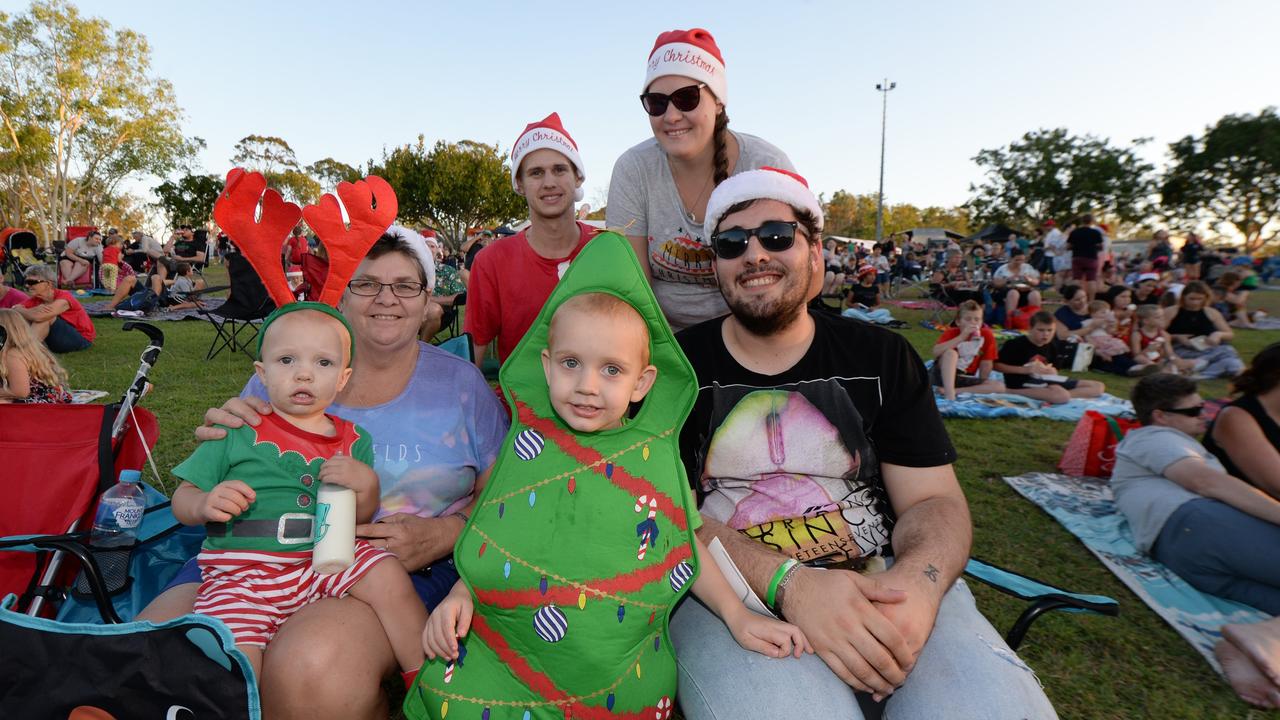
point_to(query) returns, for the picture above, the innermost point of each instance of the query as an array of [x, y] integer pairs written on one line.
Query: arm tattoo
[[931, 572]]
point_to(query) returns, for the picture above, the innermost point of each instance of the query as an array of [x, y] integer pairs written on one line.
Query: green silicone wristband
[[781, 572]]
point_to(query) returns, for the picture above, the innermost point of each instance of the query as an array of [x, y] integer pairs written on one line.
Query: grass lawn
[[1092, 667]]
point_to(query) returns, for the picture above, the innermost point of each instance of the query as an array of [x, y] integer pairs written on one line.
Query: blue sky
[[348, 79]]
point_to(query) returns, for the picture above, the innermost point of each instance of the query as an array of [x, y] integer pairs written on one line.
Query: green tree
[[1050, 174], [850, 215], [330, 172], [1229, 176], [81, 112], [453, 186], [189, 199], [273, 157]]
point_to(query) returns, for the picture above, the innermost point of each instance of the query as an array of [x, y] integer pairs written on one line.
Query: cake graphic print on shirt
[[790, 467]]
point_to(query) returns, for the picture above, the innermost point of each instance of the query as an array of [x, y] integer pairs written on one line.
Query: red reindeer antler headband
[[371, 207]]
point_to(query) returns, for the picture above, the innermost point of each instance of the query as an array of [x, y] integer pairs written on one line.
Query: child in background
[[1152, 347], [112, 246], [176, 295], [1027, 364], [597, 364], [29, 373], [1102, 337], [965, 354], [255, 493]]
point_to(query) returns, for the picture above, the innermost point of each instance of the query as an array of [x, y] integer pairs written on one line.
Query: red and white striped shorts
[[254, 592]]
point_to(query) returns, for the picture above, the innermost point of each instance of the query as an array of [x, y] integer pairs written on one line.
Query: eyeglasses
[[685, 99], [371, 288], [1193, 411], [32, 282], [775, 236]]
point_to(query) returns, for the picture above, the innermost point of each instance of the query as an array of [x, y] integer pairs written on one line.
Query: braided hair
[[720, 160]]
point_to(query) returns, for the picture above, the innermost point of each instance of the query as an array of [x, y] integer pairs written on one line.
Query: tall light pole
[[884, 88]]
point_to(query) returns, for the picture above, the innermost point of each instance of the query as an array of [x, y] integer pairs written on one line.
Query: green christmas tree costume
[[580, 544]]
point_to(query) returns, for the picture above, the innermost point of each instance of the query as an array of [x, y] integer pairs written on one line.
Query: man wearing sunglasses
[[1218, 532], [817, 453], [513, 277]]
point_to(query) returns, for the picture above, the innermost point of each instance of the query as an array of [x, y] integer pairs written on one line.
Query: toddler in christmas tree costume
[[581, 545], [255, 490]]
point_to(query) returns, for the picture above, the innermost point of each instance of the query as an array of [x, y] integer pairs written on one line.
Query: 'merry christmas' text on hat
[[370, 206], [548, 133], [767, 183], [688, 53]]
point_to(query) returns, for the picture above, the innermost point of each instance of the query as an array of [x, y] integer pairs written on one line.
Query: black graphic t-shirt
[[793, 460]]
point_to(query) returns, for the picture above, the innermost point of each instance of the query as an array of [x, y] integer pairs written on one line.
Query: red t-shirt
[[298, 246], [509, 285], [111, 255], [972, 352], [76, 315], [12, 297]]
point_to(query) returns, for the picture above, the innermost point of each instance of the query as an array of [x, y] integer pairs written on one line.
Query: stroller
[[19, 250], [66, 651]]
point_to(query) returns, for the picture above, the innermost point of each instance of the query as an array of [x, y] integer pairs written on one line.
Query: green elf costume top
[[580, 543]]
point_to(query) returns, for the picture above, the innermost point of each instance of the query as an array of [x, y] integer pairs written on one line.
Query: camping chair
[[459, 345], [76, 452], [246, 304]]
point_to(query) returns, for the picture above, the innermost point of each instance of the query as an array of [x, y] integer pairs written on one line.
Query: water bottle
[[119, 513]]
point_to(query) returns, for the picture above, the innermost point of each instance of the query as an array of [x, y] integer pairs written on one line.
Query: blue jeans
[[878, 316], [964, 671], [1222, 551], [63, 338]]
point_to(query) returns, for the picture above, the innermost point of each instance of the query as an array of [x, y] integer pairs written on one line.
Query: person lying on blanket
[[594, 365], [1216, 531], [1027, 364]]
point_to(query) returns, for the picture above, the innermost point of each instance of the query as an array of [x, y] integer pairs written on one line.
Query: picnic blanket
[[84, 397], [1266, 323], [998, 405], [99, 310], [1085, 507]]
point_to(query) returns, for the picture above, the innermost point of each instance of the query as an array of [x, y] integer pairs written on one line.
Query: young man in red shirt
[[513, 277]]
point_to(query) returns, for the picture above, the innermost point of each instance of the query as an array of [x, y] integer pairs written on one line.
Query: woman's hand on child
[[765, 635], [449, 621], [234, 413], [416, 541], [226, 500]]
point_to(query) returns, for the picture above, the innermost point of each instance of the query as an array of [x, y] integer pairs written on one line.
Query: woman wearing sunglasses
[[1214, 529], [659, 190], [56, 317]]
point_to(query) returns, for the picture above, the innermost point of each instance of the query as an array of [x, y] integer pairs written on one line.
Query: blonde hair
[[599, 305], [41, 364], [1099, 306]]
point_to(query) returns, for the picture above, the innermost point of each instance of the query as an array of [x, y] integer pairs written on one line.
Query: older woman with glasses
[[436, 427], [1214, 529], [56, 317], [659, 190]]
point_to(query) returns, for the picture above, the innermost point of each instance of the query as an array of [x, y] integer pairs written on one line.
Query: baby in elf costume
[[582, 540], [255, 490]]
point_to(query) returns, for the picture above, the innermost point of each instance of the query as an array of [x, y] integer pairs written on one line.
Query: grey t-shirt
[[81, 248], [1143, 494], [643, 201]]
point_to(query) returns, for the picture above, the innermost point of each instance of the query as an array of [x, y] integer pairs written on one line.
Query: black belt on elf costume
[[288, 529]]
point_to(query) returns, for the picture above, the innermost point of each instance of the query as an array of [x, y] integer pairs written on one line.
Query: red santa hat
[[548, 133], [688, 53], [767, 183]]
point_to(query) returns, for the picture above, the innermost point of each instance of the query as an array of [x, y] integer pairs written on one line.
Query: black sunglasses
[[32, 282], [685, 99], [775, 236], [1193, 411]]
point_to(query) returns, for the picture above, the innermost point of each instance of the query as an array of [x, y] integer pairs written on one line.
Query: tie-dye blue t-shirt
[[431, 441]]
